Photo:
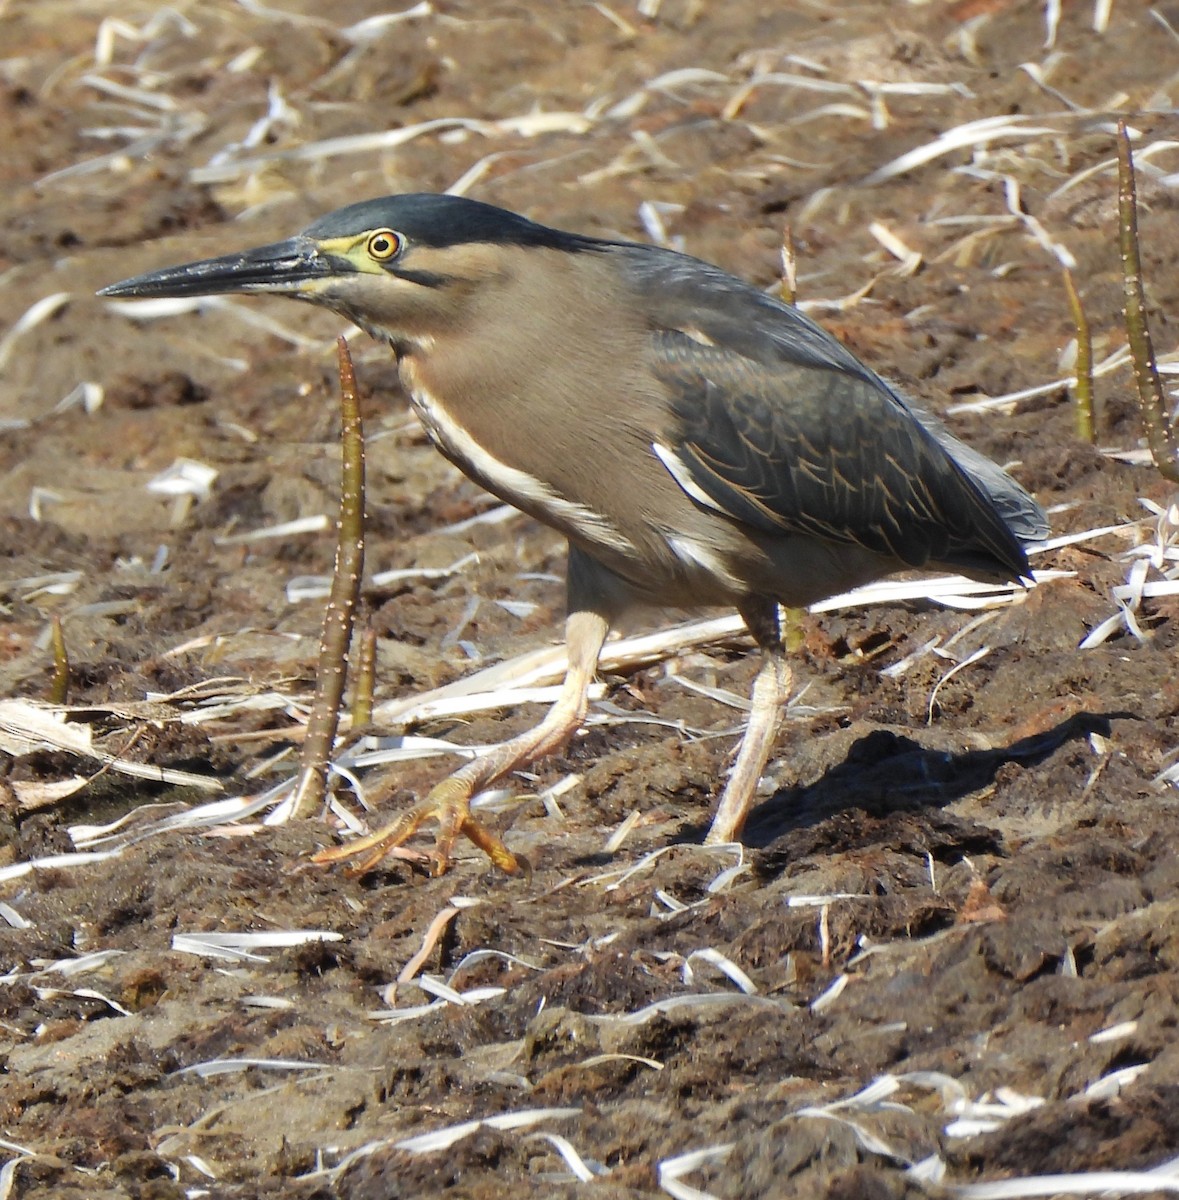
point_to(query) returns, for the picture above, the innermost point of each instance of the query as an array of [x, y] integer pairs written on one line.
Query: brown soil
[[1001, 879]]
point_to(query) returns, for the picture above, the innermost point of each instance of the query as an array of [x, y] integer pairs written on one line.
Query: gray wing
[[783, 429], [1023, 516]]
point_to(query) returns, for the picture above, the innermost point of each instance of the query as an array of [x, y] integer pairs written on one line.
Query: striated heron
[[697, 441]]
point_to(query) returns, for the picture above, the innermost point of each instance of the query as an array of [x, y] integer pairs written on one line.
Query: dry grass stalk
[[1086, 427], [364, 679], [788, 288], [332, 669], [59, 689], [1160, 435]]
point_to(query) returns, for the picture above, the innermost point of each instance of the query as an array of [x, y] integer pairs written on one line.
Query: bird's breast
[[489, 467], [599, 480]]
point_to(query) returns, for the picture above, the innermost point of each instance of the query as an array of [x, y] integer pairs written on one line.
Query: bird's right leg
[[449, 802]]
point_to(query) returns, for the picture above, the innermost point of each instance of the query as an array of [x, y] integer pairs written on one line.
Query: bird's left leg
[[449, 802], [771, 689]]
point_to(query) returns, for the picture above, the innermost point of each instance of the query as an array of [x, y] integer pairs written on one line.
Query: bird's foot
[[449, 803]]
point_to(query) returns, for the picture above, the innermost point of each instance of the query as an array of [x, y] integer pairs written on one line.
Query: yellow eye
[[383, 245]]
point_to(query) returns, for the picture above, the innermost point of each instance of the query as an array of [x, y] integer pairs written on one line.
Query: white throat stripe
[[515, 485]]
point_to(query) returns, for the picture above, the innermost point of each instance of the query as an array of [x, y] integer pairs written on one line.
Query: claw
[[449, 802], [450, 805]]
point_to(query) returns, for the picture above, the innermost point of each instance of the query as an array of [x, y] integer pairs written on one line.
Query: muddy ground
[[967, 903]]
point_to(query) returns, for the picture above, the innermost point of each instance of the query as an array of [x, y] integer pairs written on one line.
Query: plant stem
[[59, 689], [1159, 434], [332, 668], [1086, 426]]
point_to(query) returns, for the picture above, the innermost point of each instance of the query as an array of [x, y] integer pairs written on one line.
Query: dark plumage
[[428, 219], [698, 441]]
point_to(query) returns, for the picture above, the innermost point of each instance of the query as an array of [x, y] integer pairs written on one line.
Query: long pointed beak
[[292, 267]]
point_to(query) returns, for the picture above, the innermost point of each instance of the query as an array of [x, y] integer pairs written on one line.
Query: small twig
[[111, 763], [341, 607], [364, 678], [1086, 425], [59, 689], [1159, 434], [429, 941]]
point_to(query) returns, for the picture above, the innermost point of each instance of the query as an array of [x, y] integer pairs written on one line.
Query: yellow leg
[[449, 802], [771, 689]]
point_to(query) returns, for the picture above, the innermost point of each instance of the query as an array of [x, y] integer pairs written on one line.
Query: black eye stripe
[[430, 279]]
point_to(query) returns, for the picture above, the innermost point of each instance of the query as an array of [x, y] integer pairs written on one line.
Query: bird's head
[[403, 268]]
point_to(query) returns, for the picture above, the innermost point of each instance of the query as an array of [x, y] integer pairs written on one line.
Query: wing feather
[[786, 432]]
